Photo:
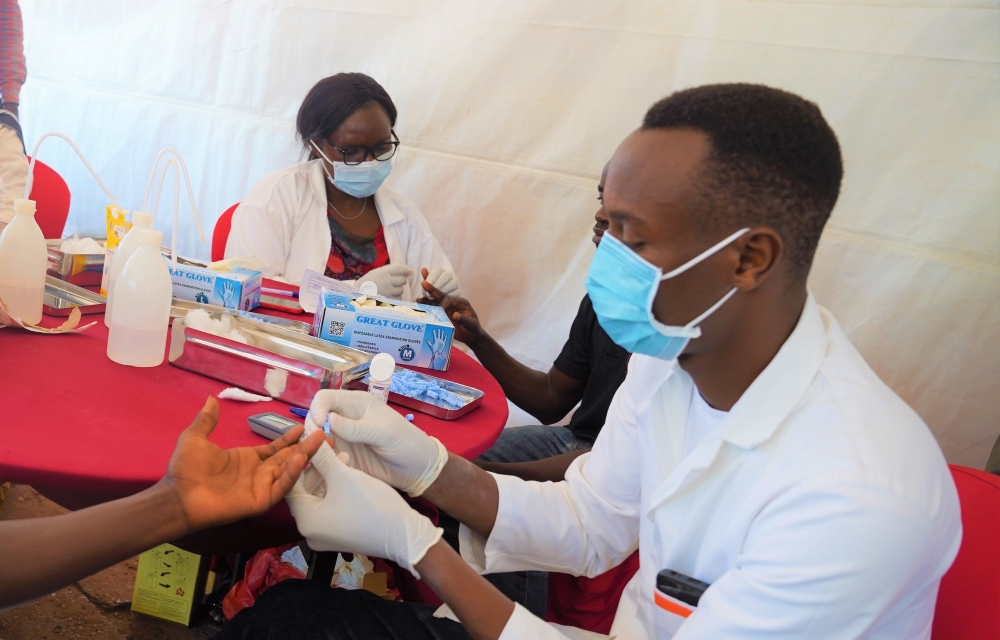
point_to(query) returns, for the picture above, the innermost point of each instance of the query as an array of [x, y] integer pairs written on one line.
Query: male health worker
[[750, 447]]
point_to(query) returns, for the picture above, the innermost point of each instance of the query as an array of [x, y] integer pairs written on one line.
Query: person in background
[[588, 371], [13, 161], [331, 214], [751, 455], [204, 486]]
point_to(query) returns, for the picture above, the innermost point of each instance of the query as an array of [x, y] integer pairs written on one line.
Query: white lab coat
[[821, 507], [282, 222]]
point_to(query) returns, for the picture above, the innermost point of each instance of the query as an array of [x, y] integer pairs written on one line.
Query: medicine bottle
[[139, 317], [380, 376], [24, 258], [140, 220]]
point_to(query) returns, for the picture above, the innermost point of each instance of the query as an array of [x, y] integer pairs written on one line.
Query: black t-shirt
[[591, 356]]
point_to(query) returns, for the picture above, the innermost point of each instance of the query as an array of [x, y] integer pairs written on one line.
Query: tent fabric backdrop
[[508, 111]]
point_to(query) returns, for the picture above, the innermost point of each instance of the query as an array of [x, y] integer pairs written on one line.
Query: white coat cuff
[[522, 625], [472, 546]]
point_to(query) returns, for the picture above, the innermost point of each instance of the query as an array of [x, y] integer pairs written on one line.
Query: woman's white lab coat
[[282, 222]]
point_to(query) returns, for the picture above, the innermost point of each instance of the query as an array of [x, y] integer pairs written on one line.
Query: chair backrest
[[221, 233], [968, 604], [51, 196]]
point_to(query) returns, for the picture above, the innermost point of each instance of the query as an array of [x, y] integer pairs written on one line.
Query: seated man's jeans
[[522, 444]]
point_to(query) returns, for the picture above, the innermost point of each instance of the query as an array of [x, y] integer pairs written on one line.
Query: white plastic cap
[[150, 238], [24, 206], [382, 367], [142, 219], [369, 288]]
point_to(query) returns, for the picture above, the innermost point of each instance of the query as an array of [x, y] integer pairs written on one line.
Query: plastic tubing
[[171, 163], [187, 181], [34, 156]]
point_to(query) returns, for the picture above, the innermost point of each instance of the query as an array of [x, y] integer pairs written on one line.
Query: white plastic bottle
[[24, 259], [138, 334], [140, 220], [380, 376]]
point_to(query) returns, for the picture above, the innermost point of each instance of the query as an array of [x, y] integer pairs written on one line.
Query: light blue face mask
[[358, 180], [622, 286]]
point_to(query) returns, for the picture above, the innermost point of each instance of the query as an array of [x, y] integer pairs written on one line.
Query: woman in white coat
[[331, 214]]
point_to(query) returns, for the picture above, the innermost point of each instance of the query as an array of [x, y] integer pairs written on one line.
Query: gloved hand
[[360, 514], [381, 442], [443, 280], [389, 279]]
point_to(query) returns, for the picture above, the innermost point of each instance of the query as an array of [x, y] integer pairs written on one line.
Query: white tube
[[34, 156], [187, 182], [171, 163]]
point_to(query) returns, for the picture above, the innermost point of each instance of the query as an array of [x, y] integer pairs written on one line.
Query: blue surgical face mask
[[358, 180], [622, 287]]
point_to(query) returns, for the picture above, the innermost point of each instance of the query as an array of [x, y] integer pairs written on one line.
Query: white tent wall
[[508, 110]]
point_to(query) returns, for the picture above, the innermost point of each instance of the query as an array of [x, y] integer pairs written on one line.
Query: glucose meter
[[271, 425]]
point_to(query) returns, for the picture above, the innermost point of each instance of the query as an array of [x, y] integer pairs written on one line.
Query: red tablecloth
[[82, 429]]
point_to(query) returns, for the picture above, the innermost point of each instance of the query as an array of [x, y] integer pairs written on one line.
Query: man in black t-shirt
[[588, 371]]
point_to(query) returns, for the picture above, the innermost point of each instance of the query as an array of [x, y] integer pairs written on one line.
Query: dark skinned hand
[[216, 486], [460, 312]]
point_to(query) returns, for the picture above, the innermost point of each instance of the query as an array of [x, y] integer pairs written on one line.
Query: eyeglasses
[[356, 155]]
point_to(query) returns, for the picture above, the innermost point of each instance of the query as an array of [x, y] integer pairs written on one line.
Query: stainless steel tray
[[81, 269], [473, 397], [306, 364], [61, 297], [179, 309]]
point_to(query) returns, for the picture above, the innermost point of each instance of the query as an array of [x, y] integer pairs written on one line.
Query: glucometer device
[[271, 425], [681, 587]]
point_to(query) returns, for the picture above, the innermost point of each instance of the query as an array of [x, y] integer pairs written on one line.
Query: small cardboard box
[[167, 584], [236, 289], [418, 340]]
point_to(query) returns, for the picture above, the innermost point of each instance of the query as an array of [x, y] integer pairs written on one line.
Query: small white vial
[[380, 376]]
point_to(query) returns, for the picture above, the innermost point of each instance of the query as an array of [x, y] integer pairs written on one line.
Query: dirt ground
[[95, 608]]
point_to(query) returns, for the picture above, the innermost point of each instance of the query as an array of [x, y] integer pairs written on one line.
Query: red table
[[83, 430]]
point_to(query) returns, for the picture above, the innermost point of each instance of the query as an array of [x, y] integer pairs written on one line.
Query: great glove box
[[236, 289], [412, 333]]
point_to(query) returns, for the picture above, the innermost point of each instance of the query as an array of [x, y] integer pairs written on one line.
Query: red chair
[[221, 233], [968, 604], [51, 196]]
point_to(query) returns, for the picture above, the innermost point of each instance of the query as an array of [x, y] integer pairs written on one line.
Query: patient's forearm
[[468, 493], [41, 555]]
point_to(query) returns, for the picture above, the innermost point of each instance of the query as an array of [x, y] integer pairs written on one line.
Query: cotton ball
[[78, 245]]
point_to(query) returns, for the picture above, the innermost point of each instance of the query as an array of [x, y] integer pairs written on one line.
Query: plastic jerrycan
[[140, 220], [24, 259], [141, 312]]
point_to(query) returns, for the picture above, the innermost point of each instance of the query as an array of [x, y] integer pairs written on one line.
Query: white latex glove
[[381, 442], [360, 514], [389, 279], [444, 281]]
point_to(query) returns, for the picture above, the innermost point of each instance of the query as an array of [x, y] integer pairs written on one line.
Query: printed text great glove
[[389, 279], [360, 514], [380, 441]]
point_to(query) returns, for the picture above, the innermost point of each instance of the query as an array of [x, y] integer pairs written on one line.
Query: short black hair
[[773, 161], [333, 100]]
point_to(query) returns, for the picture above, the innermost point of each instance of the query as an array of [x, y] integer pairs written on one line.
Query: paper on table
[[70, 326], [313, 283]]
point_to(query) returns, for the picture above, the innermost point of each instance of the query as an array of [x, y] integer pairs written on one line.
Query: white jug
[[128, 245], [24, 259], [141, 312]]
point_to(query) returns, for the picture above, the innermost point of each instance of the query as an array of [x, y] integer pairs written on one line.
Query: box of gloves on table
[[412, 333], [235, 289]]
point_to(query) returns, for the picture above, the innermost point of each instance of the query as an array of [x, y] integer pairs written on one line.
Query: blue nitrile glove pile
[[409, 384]]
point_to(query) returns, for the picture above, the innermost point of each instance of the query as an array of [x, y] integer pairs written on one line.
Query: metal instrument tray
[[179, 309], [81, 269], [473, 397], [61, 297], [307, 364]]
